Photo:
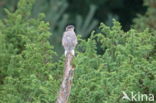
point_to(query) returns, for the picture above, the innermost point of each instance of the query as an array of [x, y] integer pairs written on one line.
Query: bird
[[69, 40]]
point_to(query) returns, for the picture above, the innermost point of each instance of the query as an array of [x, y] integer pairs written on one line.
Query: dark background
[[86, 15], [125, 10]]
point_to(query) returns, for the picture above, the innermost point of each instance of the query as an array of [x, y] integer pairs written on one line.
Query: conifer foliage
[[26, 63], [148, 21], [124, 65]]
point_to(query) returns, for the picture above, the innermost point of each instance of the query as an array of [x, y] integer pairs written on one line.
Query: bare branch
[[67, 80]]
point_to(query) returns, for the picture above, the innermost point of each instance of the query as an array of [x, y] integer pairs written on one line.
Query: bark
[[67, 80]]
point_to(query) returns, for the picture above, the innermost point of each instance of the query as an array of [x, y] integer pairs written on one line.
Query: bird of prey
[[69, 40]]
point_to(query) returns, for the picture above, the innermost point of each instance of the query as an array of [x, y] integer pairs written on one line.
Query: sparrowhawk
[[69, 40]]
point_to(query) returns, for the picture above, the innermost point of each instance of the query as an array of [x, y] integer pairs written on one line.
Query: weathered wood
[[67, 80]]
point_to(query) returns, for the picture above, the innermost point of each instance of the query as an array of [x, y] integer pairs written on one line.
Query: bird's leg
[[65, 53], [73, 53]]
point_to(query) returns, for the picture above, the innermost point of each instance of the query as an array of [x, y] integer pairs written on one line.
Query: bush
[[125, 65], [148, 21], [26, 58]]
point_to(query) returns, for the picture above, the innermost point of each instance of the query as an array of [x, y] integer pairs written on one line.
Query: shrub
[[27, 66], [123, 66], [148, 21]]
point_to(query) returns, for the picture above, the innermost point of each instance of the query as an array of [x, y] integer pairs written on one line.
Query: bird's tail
[[69, 52]]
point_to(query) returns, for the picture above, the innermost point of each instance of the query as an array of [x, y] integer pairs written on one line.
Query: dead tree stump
[[67, 80]]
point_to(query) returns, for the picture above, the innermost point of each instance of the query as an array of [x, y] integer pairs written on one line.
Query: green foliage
[[123, 66], [26, 58], [10, 4], [148, 21]]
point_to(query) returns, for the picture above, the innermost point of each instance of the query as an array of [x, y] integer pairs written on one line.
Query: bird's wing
[[69, 38], [63, 39], [74, 39]]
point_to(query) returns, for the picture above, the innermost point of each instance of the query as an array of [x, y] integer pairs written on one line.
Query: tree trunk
[[67, 80]]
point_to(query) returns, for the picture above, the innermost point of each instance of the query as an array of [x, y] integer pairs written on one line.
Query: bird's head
[[70, 28]]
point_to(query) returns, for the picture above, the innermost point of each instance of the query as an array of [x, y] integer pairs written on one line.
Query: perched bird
[[69, 40]]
